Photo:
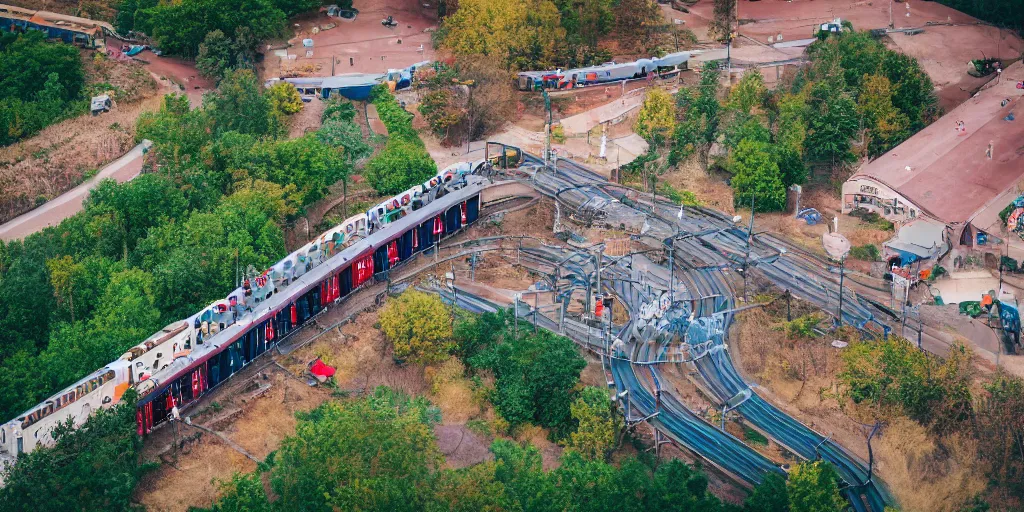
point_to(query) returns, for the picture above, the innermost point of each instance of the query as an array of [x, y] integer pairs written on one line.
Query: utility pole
[[515, 320], [750, 238], [547, 138], [842, 274]]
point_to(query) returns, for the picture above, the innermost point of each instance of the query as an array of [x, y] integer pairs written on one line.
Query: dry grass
[[924, 475], [189, 482], [923, 472], [452, 392], [56, 159], [267, 420], [538, 436], [712, 192]]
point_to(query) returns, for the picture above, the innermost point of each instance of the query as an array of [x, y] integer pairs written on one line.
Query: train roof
[[308, 280], [671, 59]]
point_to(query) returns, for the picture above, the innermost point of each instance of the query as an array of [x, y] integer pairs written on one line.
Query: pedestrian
[[988, 152]]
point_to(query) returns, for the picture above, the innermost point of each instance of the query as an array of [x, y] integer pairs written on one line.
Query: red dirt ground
[[372, 47], [943, 51]]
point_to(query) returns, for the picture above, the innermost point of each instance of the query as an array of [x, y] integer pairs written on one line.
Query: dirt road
[[70, 202]]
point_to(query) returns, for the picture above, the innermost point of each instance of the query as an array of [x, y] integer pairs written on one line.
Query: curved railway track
[[702, 263]]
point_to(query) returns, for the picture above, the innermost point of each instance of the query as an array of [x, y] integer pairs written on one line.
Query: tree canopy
[[536, 373], [91, 467], [162, 246], [40, 84], [419, 326]]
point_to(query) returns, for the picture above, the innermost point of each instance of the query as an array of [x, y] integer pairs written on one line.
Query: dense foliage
[[854, 87], [180, 28], [404, 161], [597, 423], [536, 372], [1004, 13], [40, 84], [158, 248], [419, 327], [893, 377], [894, 374], [378, 453], [92, 467], [545, 34]]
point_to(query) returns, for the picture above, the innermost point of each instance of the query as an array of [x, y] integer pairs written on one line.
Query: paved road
[[69, 203]]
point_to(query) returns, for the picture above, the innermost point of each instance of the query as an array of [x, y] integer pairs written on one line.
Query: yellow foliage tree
[[657, 118], [284, 99], [520, 34], [596, 424], [419, 326]]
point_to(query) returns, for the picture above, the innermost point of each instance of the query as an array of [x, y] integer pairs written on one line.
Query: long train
[[604, 73], [190, 357]]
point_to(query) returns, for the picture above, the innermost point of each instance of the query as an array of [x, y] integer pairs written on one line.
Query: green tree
[[832, 124], [137, 205], [419, 326], [520, 469], [179, 28], [814, 487], [596, 424], [92, 467], [125, 315], [744, 127], [657, 118], [470, 489], [243, 493], [749, 94], [894, 375], [791, 166], [284, 99], [698, 109], [585, 21], [215, 56], [790, 122], [40, 83], [756, 174], [536, 375], [371, 454], [339, 131], [195, 261], [239, 104], [770, 495], [886, 124], [401, 164]]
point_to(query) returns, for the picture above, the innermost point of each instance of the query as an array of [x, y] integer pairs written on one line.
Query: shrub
[[419, 326], [866, 252]]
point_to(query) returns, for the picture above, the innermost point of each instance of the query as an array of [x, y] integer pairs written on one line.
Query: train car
[[184, 360], [365, 261], [76, 402], [604, 73]]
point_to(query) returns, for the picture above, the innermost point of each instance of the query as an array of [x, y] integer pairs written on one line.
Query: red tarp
[[322, 370]]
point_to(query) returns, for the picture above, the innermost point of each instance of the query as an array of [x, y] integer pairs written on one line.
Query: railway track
[[701, 264]]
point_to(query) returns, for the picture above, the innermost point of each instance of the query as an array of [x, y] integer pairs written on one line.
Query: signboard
[[901, 277]]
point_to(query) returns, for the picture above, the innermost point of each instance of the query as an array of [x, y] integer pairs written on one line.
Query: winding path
[[71, 202]]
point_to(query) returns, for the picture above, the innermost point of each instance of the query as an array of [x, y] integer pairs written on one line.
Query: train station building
[[946, 188]]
